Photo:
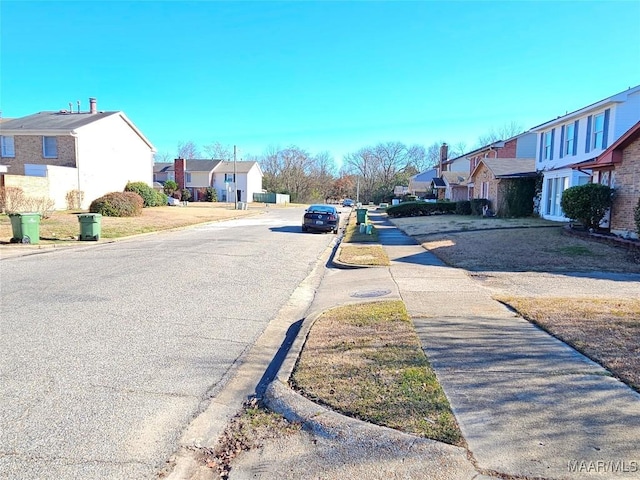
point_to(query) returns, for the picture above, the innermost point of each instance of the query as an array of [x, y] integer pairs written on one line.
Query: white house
[[93, 152], [578, 137], [226, 177]]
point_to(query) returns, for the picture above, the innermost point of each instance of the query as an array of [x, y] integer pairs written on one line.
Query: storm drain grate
[[370, 293]]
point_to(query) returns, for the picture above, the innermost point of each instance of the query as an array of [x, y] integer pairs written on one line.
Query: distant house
[[619, 167], [49, 154], [580, 137], [227, 178], [492, 177], [163, 172], [420, 184]]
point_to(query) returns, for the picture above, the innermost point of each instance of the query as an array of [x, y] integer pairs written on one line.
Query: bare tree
[[188, 150], [162, 157], [508, 130], [217, 151]]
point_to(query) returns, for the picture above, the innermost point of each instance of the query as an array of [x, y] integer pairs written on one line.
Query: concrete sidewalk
[[528, 405]]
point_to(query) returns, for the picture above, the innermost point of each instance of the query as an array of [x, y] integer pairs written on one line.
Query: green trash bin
[[25, 227], [90, 224], [361, 216]]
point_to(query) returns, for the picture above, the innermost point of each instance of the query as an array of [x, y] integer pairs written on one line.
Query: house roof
[[196, 165], [454, 178], [617, 98], [240, 167], [61, 123], [613, 154], [163, 167], [54, 121], [425, 176], [508, 167]]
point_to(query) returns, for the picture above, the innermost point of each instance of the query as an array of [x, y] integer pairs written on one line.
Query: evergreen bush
[[211, 195], [463, 207], [118, 204], [477, 204], [147, 193], [417, 209], [587, 204]]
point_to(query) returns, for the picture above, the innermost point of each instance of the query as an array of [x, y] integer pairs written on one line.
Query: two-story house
[[577, 137], [228, 178], [92, 152]]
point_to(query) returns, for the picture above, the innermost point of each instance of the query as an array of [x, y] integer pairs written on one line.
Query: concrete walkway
[[528, 405]]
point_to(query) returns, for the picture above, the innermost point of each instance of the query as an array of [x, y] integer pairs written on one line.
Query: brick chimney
[[179, 166], [444, 154], [93, 105]]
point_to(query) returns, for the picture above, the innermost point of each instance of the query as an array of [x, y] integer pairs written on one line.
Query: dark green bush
[[211, 195], [170, 186], [587, 203], [161, 198], [147, 193], [185, 196], [518, 198], [118, 204], [463, 207], [417, 209], [477, 204]]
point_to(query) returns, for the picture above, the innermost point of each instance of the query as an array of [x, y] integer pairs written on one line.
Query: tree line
[[369, 174]]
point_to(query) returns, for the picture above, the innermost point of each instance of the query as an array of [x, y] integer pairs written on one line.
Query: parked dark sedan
[[323, 218]]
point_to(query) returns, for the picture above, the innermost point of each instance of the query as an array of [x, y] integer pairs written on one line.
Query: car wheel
[[304, 229]]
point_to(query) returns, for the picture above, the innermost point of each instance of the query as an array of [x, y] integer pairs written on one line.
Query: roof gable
[[508, 167]]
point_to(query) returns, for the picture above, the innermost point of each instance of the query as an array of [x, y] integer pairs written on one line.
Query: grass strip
[[369, 255], [366, 361], [607, 330]]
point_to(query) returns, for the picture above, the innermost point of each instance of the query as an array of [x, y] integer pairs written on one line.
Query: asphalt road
[[109, 351]]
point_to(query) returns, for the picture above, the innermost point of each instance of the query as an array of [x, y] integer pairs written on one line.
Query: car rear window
[[320, 209]]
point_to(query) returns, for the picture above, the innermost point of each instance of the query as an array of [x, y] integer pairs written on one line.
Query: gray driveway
[[109, 351]]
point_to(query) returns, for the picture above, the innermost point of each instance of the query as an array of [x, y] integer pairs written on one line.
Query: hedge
[[418, 209], [118, 204]]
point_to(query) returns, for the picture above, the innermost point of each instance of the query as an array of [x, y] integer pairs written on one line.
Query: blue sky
[[324, 76]]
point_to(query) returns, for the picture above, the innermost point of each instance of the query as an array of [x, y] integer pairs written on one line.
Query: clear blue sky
[[324, 76]]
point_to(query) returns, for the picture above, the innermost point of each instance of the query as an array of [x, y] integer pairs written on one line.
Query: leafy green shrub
[[477, 204], [147, 193], [211, 195], [587, 203], [170, 186], [463, 207], [185, 195], [417, 209], [518, 198], [118, 204], [161, 198], [636, 217]]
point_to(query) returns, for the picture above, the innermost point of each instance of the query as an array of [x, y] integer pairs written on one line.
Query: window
[[569, 139], [548, 145], [228, 177], [8, 149], [598, 131], [50, 147], [187, 177]]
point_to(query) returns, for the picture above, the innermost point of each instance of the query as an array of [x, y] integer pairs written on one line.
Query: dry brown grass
[[605, 330], [527, 249], [366, 361], [369, 255], [63, 226]]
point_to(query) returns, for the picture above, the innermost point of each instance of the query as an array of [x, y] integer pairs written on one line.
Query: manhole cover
[[370, 293]]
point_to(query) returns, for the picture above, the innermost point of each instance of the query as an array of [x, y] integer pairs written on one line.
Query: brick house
[[93, 152], [619, 167], [492, 177]]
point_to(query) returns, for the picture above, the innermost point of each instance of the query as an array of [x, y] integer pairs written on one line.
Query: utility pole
[[235, 182]]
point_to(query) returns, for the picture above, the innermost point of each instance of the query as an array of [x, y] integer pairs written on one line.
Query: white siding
[[110, 154]]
